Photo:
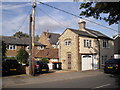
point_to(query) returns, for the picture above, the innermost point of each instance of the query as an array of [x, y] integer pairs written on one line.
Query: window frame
[[40, 47], [11, 47], [105, 43], [87, 43], [104, 58], [68, 42], [27, 48]]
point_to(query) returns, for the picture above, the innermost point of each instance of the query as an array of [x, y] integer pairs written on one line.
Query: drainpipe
[[99, 51]]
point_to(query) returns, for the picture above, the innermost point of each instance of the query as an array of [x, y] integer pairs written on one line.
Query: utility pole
[[32, 32], [30, 46]]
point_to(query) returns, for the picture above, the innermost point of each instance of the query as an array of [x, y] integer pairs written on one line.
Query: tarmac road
[[88, 79]]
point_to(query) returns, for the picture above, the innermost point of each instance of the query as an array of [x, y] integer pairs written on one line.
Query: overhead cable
[[78, 16]]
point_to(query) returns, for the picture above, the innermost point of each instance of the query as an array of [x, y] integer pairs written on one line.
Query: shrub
[[46, 60], [22, 56]]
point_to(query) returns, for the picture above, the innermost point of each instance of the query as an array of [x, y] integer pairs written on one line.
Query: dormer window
[[67, 42]]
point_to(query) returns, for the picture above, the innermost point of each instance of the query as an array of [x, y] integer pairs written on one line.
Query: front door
[[69, 60]]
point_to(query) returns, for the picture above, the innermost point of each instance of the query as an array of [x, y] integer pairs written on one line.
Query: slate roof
[[82, 33], [18, 41], [86, 34], [48, 53], [53, 37], [99, 34]]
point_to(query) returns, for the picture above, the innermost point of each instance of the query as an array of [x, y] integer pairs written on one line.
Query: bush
[[22, 56], [46, 60]]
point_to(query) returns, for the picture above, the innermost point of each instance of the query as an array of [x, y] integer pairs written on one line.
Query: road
[[91, 81]]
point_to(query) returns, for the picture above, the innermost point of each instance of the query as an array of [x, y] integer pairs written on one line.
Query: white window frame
[[104, 58], [54, 46], [67, 42], [87, 43], [105, 44], [11, 47], [40, 47], [27, 48]]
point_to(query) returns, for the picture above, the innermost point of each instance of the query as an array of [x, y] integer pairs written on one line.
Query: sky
[[15, 17]]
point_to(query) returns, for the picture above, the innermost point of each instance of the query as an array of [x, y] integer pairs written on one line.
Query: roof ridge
[[52, 33]]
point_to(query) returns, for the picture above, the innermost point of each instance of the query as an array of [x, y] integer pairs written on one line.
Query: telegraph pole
[[30, 46], [32, 32]]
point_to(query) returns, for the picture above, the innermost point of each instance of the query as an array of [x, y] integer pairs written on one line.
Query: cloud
[[12, 6], [9, 27], [53, 25], [40, 0]]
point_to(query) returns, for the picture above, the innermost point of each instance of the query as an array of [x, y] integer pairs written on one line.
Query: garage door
[[86, 62]]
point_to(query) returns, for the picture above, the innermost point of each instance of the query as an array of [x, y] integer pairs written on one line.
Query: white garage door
[[86, 62]]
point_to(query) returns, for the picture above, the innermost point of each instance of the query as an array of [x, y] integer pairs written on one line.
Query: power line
[[78, 16], [24, 20], [53, 18]]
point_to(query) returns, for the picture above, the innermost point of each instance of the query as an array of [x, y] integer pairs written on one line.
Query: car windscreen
[[112, 61], [12, 62]]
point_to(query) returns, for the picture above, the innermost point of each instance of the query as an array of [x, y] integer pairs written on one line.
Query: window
[[11, 47], [87, 43], [54, 46], [105, 44], [27, 48], [104, 58], [40, 47], [67, 42]]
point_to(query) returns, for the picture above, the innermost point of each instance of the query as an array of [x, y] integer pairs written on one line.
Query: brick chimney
[[82, 24]]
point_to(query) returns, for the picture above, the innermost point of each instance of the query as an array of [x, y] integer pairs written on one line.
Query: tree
[[20, 34], [96, 10], [36, 37], [22, 56]]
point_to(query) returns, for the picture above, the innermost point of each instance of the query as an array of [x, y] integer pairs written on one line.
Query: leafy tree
[[20, 34], [96, 10], [36, 37], [22, 56]]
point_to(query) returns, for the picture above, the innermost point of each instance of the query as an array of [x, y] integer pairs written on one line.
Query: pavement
[[55, 75]]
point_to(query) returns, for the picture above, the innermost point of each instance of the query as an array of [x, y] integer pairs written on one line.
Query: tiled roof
[[53, 37], [47, 53], [18, 41]]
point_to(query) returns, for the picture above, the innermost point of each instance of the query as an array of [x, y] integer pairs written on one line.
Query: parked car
[[112, 66], [10, 66], [41, 67]]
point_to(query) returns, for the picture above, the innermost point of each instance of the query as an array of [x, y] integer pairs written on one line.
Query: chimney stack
[[82, 24]]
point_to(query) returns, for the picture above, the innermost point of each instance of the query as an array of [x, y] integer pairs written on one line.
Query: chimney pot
[[82, 24]]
